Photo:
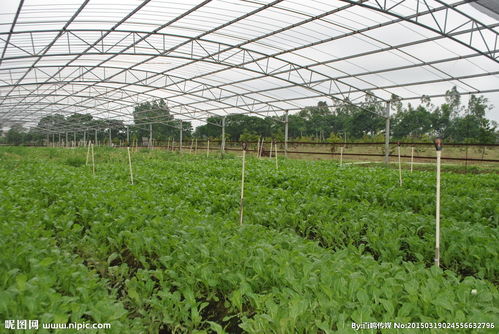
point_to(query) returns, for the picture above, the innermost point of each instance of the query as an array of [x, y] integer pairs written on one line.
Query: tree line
[[345, 121], [341, 121]]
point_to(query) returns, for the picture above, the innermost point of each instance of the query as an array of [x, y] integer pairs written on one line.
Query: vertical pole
[[110, 140], [88, 154], [400, 164], [276, 161], [95, 139], [341, 156], [85, 136], [93, 160], [66, 139], [223, 135], [286, 121], [128, 136], [466, 161], [271, 148], [130, 164], [150, 135], [387, 134], [196, 147], [412, 158], [48, 140], [241, 203], [180, 142], [258, 147], [192, 144], [208, 148], [261, 149], [438, 146], [74, 138], [59, 139]]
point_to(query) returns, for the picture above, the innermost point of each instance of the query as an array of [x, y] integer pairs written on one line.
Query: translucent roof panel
[[214, 57]]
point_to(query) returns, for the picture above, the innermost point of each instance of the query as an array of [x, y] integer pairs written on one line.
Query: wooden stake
[[258, 148], [412, 158], [130, 164], [276, 161], [208, 149], [93, 160], [270, 152], [241, 203], [88, 154], [341, 155], [400, 165], [261, 149]]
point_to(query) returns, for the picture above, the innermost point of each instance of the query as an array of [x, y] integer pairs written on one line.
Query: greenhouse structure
[[158, 194]]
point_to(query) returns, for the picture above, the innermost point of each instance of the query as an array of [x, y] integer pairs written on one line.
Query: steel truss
[[246, 64]]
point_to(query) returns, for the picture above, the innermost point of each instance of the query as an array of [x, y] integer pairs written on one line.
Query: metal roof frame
[[281, 66]]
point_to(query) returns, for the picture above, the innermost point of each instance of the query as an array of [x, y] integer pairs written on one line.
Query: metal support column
[[150, 135], [387, 134], [180, 141], [85, 137], [223, 135], [286, 121]]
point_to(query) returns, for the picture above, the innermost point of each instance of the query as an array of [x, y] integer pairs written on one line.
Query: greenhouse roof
[[219, 57]]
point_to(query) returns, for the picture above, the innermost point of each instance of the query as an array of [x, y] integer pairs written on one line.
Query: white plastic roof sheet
[[216, 57]]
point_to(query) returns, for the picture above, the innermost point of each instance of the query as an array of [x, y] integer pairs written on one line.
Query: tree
[[443, 116], [473, 126], [157, 115], [16, 134], [411, 122]]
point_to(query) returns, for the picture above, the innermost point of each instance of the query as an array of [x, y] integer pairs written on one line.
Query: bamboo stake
[[88, 154], [341, 155], [258, 148], [438, 146], [400, 165], [412, 158], [271, 148], [208, 149], [168, 145], [241, 203], [261, 149], [93, 160], [196, 147], [276, 161], [130, 164]]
